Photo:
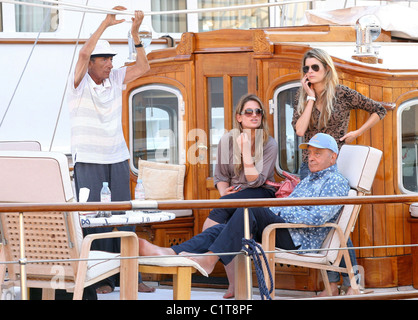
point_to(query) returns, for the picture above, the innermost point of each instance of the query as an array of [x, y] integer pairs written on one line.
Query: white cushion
[[306, 257], [95, 268], [174, 261], [162, 181], [361, 168], [182, 213]]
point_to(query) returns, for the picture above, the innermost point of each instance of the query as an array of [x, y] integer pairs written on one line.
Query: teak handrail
[[205, 204]]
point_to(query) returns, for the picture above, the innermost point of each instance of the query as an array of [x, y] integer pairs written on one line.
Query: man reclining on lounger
[[324, 181]]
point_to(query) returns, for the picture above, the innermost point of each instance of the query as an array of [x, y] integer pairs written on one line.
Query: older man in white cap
[[99, 150]]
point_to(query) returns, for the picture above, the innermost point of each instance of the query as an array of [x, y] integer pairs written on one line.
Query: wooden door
[[221, 79]]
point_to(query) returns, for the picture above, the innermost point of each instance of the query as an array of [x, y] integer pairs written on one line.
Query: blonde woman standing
[[323, 105]]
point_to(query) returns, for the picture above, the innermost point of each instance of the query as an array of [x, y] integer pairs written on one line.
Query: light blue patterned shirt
[[326, 183]]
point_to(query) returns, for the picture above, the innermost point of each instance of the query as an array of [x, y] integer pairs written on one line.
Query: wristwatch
[[310, 98], [139, 45]]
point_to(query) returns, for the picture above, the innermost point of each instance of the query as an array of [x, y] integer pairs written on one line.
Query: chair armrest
[[128, 248], [269, 232], [131, 236]]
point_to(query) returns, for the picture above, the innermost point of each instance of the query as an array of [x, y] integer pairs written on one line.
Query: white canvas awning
[[400, 20]]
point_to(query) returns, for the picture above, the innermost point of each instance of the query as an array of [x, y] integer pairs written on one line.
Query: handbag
[[285, 187]]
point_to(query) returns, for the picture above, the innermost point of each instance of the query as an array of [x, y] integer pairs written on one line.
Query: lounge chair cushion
[[96, 268], [306, 257], [174, 261], [162, 181], [360, 171]]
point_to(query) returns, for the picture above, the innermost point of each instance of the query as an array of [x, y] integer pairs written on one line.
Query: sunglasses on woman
[[249, 112], [314, 67]]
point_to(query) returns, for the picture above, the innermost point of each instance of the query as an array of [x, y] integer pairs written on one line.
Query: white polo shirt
[[96, 119]]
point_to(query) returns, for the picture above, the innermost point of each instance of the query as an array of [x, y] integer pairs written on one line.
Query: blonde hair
[[261, 134], [328, 95]]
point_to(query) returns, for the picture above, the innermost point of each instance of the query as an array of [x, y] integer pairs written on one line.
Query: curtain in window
[[176, 23], [30, 19]]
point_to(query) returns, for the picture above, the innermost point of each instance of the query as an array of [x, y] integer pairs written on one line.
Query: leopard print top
[[346, 99]]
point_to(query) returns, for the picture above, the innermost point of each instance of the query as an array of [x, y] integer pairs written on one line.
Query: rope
[[80, 8], [66, 83], [252, 248], [185, 255]]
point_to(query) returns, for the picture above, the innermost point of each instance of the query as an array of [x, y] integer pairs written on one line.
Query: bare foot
[[104, 289], [230, 293], [142, 287], [206, 262], [350, 291], [334, 290], [230, 272], [148, 249]]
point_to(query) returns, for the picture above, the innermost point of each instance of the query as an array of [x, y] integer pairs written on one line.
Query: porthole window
[[156, 114], [281, 106], [408, 146]]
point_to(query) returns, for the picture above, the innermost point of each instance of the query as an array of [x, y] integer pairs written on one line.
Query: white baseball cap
[[322, 141], [103, 48]]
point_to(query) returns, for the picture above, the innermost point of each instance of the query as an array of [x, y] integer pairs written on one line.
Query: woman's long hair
[[328, 95], [261, 134]]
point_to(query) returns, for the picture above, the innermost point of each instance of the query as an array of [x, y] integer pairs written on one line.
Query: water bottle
[[139, 190], [106, 197]]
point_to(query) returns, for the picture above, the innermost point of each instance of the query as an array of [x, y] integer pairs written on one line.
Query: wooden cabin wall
[[380, 225]]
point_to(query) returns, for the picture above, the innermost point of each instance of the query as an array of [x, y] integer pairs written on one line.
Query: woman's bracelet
[[310, 98]]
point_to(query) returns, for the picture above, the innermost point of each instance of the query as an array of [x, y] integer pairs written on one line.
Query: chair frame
[[360, 187], [74, 278], [268, 245], [41, 241], [128, 267], [361, 183]]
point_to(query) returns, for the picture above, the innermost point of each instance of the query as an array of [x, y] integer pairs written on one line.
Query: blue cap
[[321, 141]]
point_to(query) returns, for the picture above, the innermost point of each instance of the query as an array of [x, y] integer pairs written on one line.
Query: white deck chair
[[359, 165], [43, 177]]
